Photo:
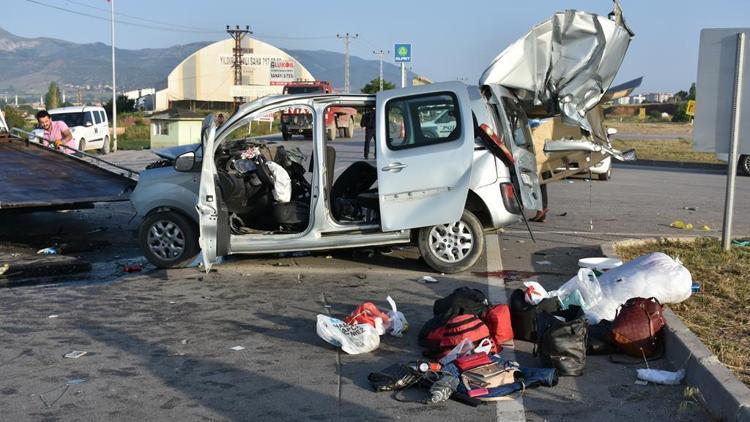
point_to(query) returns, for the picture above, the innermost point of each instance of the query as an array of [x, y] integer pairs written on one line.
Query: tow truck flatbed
[[34, 178]]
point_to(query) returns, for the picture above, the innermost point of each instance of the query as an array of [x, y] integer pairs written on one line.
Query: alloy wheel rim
[[451, 242], [166, 240]]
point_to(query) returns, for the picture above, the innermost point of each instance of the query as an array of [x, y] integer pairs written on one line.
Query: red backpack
[[459, 328], [497, 319]]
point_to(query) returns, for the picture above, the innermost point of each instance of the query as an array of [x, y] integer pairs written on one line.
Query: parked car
[[440, 190], [743, 163], [88, 125]]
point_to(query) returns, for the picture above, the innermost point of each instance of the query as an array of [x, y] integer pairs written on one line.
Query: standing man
[[368, 122], [57, 132], [220, 120]]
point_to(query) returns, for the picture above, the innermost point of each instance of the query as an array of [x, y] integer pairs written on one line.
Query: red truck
[[339, 120]]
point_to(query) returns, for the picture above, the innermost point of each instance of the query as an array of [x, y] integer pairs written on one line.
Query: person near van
[[220, 120], [56, 131], [368, 122], [541, 215]]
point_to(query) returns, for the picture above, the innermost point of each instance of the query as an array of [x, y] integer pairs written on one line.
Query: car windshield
[[70, 119], [303, 89]]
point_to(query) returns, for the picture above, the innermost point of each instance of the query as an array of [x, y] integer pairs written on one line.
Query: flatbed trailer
[[34, 177]]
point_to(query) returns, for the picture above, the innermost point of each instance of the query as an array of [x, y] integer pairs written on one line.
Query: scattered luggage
[[638, 328], [561, 340], [523, 315]]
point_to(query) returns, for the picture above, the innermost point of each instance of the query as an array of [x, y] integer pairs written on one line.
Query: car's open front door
[[209, 200], [425, 142]]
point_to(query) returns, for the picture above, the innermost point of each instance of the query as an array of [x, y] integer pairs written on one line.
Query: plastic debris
[[75, 354], [398, 323], [132, 268], [76, 381], [237, 348], [690, 208], [534, 292], [4, 268], [743, 243], [53, 316], [428, 279], [658, 376], [696, 287], [52, 250], [544, 262], [679, 224]]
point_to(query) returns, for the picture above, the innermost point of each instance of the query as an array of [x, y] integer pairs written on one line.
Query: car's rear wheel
[[453, 247], [105, 147], [744, 165], [168, 239], [606, 175], [82, 145]]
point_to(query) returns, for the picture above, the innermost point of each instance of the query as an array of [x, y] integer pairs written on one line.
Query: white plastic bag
[[465, 347], [653, 275], [657, 376], [353, 339], [534, 293], [583, 290], [398, 323]]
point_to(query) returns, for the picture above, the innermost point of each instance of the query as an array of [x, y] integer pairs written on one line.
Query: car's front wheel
[[453, 247], [105, 146], [168, 239], [744, 165]]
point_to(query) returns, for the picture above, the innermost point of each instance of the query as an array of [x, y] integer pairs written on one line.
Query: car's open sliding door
[[425, 142]]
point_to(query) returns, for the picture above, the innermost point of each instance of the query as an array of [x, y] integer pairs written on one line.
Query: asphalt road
[[159, 342]]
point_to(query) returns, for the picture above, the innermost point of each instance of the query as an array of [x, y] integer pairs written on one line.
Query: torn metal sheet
[[563, 65]]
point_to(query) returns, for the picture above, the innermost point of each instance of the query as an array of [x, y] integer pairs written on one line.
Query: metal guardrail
[[31, 137]]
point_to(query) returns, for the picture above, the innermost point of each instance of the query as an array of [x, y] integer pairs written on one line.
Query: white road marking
[[510, 410], [586, 232]]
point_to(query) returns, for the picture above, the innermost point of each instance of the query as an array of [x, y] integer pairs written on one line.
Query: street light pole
[[114, 90], [380, 54]]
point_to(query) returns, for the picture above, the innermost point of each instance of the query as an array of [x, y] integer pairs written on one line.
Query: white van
[[88, 124]]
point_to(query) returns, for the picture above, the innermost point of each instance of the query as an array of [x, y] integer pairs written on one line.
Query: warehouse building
[[205, 79]]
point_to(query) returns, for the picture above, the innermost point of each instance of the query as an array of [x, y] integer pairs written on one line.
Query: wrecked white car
[[452, 161]]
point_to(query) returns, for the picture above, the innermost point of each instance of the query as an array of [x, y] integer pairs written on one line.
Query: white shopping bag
[[353, 339]]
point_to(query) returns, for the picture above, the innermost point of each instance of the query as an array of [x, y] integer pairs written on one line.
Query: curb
[[723, 394], [677, 164]]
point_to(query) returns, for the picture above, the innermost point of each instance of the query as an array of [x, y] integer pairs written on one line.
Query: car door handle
[[394, 167]]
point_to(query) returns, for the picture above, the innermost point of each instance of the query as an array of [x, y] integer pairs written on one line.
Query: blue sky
[[451, 39]]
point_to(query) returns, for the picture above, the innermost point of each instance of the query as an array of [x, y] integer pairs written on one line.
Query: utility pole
[[380, 54], [238, 34], [347, 37], [114, 89]]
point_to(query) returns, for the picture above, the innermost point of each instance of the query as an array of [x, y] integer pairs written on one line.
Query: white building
[[207, 76]]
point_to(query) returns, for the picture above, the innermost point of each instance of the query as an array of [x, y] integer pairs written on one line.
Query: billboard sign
[[402, 53]]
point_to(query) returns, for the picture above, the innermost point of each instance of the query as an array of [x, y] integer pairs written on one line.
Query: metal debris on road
[[544, 262], [428, 279], [237, 348], [52, 250], [75, 354]]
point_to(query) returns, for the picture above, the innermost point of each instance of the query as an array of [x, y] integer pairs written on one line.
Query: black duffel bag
[[562, 344], [523, 315]]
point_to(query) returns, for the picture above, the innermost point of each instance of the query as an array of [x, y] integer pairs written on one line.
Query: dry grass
[[665, 128], [666, 150], [720, 314]]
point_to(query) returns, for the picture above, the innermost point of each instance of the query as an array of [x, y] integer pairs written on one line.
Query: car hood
[[563, 65], [173, 152]]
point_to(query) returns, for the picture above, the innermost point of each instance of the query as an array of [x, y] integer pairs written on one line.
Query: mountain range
[[28, 65]]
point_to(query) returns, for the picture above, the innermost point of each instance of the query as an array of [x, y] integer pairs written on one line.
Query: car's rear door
[[423, 174]]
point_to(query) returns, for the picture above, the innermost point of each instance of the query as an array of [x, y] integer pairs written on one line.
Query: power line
[[347, 39]]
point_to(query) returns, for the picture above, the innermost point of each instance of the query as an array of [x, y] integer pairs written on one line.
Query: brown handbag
[[638, 327]]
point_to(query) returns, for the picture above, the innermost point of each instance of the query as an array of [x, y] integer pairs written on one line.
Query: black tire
[[82, 145], [105, 147], [605, 176], [286, 135], [181, 228], [744, 165], [470, 223]]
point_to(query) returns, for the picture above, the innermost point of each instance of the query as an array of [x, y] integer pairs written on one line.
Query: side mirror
[[88, 124], [611, 131], [185, 161]]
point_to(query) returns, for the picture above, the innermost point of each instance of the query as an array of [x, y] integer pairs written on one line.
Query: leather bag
[[638, 328]]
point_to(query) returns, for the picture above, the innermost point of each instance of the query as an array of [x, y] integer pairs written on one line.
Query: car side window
[[103, 117], [88, 118], [97, 117], [422, 120], [519, 124]]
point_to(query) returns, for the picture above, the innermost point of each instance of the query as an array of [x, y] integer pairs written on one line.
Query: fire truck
[[298, 121]]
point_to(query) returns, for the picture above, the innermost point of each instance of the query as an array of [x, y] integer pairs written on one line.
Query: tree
[[374, 86], [680, 114], [15, 117], [681, 96], [691, 92], [53, 98], [124, 105]]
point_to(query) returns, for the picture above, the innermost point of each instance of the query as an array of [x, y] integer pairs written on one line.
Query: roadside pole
[[402, 55], [114, 90], [726, 236]]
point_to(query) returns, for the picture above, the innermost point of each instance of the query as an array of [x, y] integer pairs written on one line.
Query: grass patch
[[666, 150], [136, 137], [720, 314]]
